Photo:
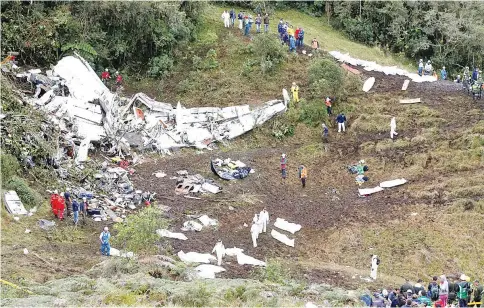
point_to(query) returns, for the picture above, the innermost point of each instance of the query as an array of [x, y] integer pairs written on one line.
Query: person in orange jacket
[[303, 174], [57, 204]]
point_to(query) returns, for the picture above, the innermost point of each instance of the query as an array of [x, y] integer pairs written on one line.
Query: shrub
[[274, 272], [194, 297], [313, 113], [325, 78], [27, 195], [281, 130], [138, 233], [124, 299], [211, 59], [161, 66], [270, 52], [9, 167]]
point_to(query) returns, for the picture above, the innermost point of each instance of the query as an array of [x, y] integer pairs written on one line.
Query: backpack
[[463, 291], [434, 292]]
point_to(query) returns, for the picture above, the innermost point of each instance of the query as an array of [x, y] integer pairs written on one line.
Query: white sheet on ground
[[287, 226], [393, 183], [233, 252], [282, 238], [166, 233], [369, 191], [207, 221], [195, 257], [208, 271], [245, 259], [192, 225]]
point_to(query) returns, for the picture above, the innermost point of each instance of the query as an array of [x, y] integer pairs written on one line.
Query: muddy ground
[[329, 201]]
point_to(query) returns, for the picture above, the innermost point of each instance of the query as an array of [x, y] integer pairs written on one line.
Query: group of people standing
[[64, 202], [301, 170], [294, 38], [245, 21], [439, 293]]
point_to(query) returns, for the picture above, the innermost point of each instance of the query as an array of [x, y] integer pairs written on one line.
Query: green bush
[[161, 66], [211, 59], [313, 113], [270, 52], [325, 78], [194, 297], [138, 232], [123, 299], [275, 271], [9, 167], [28, 196], [280, 130]]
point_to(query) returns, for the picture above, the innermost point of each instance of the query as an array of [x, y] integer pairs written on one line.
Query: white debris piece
[[191, 225], [166, 233], [243, 259], [368, 84], [117, 253], [26, 251], [208, 271], [210, 188], [282, 238], [27, 231], [232, 252], [287, 226], [13, 203], [373, 66], [369, 191], [410, 101], [195, 257], [405, 85], [392, 183], [207, 221], [159, 174], [83, 150], [310, 305]]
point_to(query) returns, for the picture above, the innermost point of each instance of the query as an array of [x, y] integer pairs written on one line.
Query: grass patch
[[194, 297], [120, 299], [388, 144]]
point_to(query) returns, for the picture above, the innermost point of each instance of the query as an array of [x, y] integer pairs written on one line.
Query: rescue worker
[[463, 291], [374, 266], [443, 289], [300, 37], [254, 231], [420, 67], [83, 206], [75, 211], [475, 74], [247, 24], [296, 36], [428, 68], [219, 249], [57, 204], [295, 93], [226, 19], [266, 23], [292, 43], [105, 76], [303, 174], [325, 133], [477, 293], [341, 119], [283, 166], [443, 73], [466, 73], [393, 127], [119, 79], [315, 44], [104, 237], [232, 17], [264, 219], [258, 22], [68, 202], [290, 30], [240, 17], [328, 104]]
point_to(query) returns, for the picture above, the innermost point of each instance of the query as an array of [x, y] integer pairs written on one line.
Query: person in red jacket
[[296, 36], [105, 76], [57, 204], [119, 79]]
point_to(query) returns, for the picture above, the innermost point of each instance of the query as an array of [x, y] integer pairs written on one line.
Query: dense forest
[[145, 37]]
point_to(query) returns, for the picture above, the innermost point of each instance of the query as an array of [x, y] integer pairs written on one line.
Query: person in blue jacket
[[292, 43], [300, 37], [104, 237], [443, 73]]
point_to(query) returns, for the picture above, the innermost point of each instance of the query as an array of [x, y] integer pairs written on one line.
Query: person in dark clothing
[[408, 303], [477, 293], [75, 211], [406, 286], [452, 293], [232, 18], [266, 23], [433, 289], [464, 291], [341, 119], [67, 198], [377, 301], [418, 287]]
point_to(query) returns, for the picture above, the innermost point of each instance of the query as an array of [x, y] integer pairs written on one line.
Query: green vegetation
[[138, 232]]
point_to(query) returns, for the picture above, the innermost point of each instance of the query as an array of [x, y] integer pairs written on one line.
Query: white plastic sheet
[[282, 238], [192, 225], [233, 252], [195, 257], [369, 191], [393, 183], [287, 226], [243, 259], [166, 233], [207, 221], [208, 271]]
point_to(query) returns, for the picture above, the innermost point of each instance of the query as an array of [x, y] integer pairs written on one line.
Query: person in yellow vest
[[295, 93], [303, 174], [290, 31]]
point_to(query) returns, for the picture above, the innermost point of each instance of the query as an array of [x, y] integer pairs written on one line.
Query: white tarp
[[232, 252], [166, 233], [373, 66], [195, 257], [243, 259], [192, 225], [208, 271], [282, 238], [13, 203], [287, 226], [393, 183], [207, 221], [369, 191]]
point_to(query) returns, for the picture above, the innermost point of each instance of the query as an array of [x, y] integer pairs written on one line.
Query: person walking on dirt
[[393, 127], [328, 102], [75, 211], [258, 22], [104, 237], [280, 28], [443, 73], [68, 202], [266, 23], [420, 67], [264, 219], [83, 206], [428, 68], [296, 35], [283, 166], [295, 92], [325, 133], [240, 17], [226, 19], [315, 44], [254, 231], [105, 76], [303, 174], [57, 204], [219, 249], [119, 79], [232, 17], [341, 119]]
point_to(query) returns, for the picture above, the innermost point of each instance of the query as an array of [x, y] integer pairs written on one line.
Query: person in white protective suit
[[254, 231], [256, 218], [264, 219], [226, 19], [219, 249], [393, 127], [374, 266]]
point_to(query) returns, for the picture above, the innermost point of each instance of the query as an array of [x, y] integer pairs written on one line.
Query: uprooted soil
[[329, 201]]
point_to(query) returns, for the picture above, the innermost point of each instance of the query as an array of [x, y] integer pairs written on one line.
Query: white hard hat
[[106, 69], [421, 60], [106, 228], [84, 199], [56, 192], [283, 155], [443, 67], [117, 72]]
